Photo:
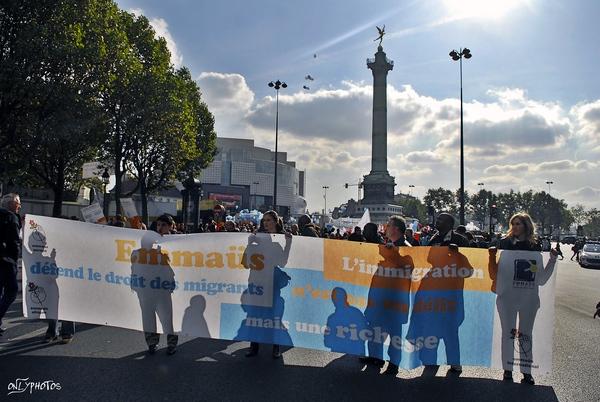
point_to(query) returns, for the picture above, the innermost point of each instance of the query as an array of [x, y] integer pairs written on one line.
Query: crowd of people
[[521, 236]]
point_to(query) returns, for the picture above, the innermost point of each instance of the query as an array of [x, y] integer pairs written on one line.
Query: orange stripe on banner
[[407, 268]]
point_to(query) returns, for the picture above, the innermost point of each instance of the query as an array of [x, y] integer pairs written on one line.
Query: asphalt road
[[105, 363]]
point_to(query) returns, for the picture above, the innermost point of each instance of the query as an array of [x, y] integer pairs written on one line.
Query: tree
[[173, 130], [55, 79], [579, 214], [412, 207], [479, 206], [592, 226], [441, 199]]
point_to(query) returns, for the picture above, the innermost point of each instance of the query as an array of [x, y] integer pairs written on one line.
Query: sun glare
[[484, 9]]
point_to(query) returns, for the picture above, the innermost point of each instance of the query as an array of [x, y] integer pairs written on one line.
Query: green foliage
[[442, 200], [81, 80]]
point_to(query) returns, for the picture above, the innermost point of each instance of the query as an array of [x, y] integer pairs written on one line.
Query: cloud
[[586, 117], [161, 28], [424, 157], [508, 136], [543, 167], [586, 195], [226, 92], [229, 99]]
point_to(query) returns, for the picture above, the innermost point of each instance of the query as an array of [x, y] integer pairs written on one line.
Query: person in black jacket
[[520, 236], [371, 234], [445, 236], [307, 228], [10, 243]]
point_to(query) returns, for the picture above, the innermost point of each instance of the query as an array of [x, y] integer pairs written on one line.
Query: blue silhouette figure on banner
[[438, 309], [265, 324], [344, 326], [388, 304]]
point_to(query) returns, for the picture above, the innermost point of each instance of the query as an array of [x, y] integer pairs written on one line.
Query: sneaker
[[391, 369], [507, 376], [527, 379], [64, 339], [151, 349], [171, 350], [276, 352]]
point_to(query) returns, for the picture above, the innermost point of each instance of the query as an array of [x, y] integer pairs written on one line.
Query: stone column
[[380, 66]]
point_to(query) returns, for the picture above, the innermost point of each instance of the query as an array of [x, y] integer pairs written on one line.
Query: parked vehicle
[[569, 240], [589, 257]]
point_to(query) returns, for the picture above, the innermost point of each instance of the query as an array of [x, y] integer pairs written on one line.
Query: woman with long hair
[[272, 223], [520, 236]]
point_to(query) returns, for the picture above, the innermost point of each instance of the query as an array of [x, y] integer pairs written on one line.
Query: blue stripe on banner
[[315, 313]]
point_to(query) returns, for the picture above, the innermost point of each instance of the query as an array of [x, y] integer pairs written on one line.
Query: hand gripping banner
[[412, 306]]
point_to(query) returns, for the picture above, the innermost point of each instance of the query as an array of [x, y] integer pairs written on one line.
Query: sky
[[531, 95]]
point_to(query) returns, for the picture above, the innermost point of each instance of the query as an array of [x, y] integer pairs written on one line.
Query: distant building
[[241, 176]]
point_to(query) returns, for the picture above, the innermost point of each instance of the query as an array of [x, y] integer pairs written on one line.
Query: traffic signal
[[346, 185]]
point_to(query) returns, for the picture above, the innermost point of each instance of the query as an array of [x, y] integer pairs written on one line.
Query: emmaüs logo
[[22, 385], [524, 275]]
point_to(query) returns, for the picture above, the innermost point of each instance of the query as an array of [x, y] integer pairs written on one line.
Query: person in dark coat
[[445, 236], [306, 227], [10, 244]]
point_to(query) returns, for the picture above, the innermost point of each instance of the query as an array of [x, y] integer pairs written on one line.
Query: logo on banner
[[37, 239], [522, 341], [525, 271], [37, 295]]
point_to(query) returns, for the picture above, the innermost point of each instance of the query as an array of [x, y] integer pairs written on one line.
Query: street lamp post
[[192, 188], [480, 184], [549, 183], [458, 56], [276, 85], [325, 197], [105, 181], [410, 187]]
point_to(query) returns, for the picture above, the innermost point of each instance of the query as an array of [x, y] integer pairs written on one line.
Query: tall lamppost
[[325, 197], [276, 85], [458, 56], [105, 181], [549, 183], [480, 184], [410, 187]]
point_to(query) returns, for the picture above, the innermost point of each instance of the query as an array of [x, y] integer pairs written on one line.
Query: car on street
[[569, 240], [589, 256]]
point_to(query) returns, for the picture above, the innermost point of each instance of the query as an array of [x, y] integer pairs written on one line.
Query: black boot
[[253, 349], [276, 352], [527, 379]]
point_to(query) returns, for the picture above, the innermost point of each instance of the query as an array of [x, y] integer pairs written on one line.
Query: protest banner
[[93, 213], [412, 306], [130, 211]]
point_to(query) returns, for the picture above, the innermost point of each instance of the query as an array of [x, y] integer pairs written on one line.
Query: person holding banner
[[273, 224], [445, 235], [387, 309], [10, 243], [156, 301], [523, 301], [371, 234]]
